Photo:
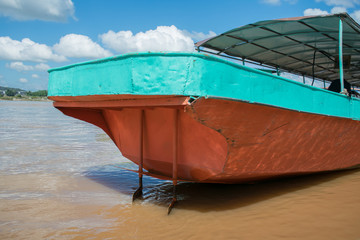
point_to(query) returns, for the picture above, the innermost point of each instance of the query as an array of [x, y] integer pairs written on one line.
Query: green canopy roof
[[304, 45]]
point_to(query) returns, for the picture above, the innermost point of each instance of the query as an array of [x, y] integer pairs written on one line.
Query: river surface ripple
[[60, 179]]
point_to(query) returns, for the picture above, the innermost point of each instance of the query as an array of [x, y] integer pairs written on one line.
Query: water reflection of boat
[[195, 117]]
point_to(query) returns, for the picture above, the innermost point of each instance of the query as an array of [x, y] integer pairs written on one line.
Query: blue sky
[[39, 34]]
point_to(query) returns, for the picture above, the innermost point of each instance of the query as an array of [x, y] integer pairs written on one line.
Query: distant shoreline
[[25, 98]]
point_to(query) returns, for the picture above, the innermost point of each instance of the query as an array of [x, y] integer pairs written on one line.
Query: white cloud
[[79, 46], [23, 80], [340, 6], [342, 3], [272, 2], [314, 12], [163, 38], [356, 16], [47, 10], [26, 50], [198, 36], [42, 67], [35, 76], [19, 66], [338, 10]]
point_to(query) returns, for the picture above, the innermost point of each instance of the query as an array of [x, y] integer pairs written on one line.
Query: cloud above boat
[[356, 15], [163, 38], [20, 67], [343, 3], [198, 36], [339, 6], [27, 50], [80, 46], [46, 10], [314, 11]]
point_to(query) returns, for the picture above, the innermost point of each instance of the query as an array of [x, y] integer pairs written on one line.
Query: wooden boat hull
[[219, 140]]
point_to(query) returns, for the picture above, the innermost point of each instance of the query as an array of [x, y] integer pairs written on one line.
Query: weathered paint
[[215, 140], [194, 74], [198, 151], [265, 142]]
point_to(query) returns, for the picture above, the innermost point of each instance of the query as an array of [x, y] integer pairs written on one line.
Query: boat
[[224, 114]]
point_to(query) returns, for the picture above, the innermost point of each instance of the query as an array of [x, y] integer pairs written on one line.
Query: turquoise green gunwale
[[195, 74]]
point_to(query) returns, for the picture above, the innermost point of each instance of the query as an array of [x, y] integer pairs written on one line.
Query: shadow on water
[[205, 197]]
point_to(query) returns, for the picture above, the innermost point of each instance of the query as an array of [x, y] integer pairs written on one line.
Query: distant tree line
[[40, 93], [13, 92], [10, 92]]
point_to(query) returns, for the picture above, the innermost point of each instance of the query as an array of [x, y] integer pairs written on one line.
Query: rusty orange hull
[[218, 140]]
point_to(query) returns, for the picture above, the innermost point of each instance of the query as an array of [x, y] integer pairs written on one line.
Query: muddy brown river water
[[60, 179]]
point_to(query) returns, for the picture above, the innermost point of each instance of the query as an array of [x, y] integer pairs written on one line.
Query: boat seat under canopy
[[307, 45]]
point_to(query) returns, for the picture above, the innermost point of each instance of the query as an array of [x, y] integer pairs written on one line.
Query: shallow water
[[60, 179]]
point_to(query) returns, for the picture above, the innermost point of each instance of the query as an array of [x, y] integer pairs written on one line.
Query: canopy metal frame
[[317, 34]]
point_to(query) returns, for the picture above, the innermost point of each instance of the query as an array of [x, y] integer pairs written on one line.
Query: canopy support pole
[[341, 57], [313, 68]]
